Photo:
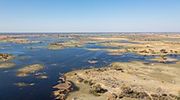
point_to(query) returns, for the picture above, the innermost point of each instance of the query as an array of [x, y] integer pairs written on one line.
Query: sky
[[89, 15]]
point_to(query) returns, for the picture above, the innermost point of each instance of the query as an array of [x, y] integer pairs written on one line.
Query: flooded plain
[[38, 84]]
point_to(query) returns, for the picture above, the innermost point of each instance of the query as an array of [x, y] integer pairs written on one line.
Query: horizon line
[[97, 32]]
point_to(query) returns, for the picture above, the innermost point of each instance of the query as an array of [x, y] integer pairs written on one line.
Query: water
[[55, 62]]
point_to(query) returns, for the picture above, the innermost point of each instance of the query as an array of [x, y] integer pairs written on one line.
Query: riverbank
[[132, 81]]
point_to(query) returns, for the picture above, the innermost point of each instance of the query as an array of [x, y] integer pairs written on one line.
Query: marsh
[[36, 68]]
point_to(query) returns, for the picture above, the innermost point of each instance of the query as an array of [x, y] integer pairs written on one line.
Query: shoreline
[[121, 81]]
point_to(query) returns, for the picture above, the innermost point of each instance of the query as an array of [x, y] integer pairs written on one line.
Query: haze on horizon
[[90, 16]]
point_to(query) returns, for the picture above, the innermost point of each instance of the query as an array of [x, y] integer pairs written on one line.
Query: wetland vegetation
[[101, 66], [30, 69]]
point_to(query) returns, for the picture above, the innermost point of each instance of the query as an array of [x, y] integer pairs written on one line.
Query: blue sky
[[89, 15]]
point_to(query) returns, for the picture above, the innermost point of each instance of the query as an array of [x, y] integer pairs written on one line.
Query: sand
[[6, 65], [145, 81]]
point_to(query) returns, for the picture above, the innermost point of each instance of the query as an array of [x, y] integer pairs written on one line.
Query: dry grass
[[150, 78], [29, 70]]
